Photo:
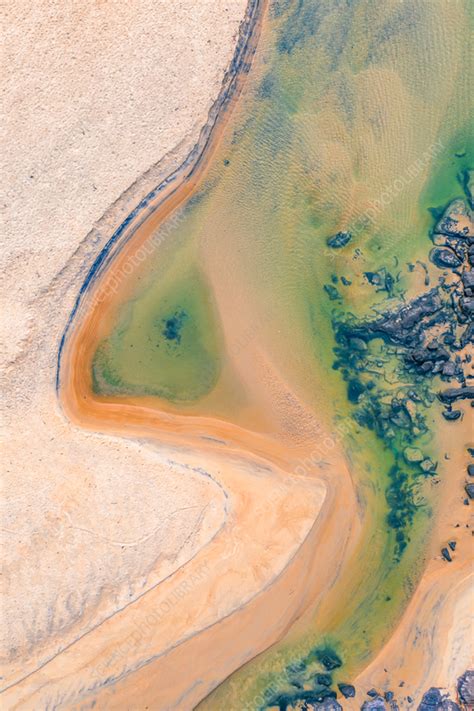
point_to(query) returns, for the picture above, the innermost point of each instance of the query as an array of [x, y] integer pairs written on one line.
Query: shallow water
[[353, 119]]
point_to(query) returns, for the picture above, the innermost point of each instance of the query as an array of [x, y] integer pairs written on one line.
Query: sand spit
[[246, 555]]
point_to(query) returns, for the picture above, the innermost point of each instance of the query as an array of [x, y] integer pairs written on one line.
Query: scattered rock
[[451, 415], [446, 554], [339, 240], [347, 690], [470, 490]]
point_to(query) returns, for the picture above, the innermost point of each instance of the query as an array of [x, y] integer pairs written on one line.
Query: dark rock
[[326, 705], [451, 414], [446, 554], [323, 679], [470, 490], [467, 304], [376, 704], [322, 699], [372, 693], [431, 700], [373, 278], [444, 258], [388, 696], [449, 369], [467, 336], [347, 690], [339, 240], [421, 355], [468, 282], [466, 502], [470, 469], [452, 545], [452, 394], [466, 687], [434, 701]]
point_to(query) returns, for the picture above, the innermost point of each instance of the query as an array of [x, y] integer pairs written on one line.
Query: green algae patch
[[165, 344]]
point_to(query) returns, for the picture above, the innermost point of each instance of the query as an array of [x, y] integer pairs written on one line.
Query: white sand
[[97, 93]]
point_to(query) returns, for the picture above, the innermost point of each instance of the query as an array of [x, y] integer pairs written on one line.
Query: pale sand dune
[[95, 95]]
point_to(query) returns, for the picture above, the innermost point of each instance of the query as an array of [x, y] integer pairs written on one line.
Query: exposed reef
[[432, 700], [390, 361], [395, 364]]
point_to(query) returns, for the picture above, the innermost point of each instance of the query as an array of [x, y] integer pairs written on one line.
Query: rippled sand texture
[[213, 332]]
